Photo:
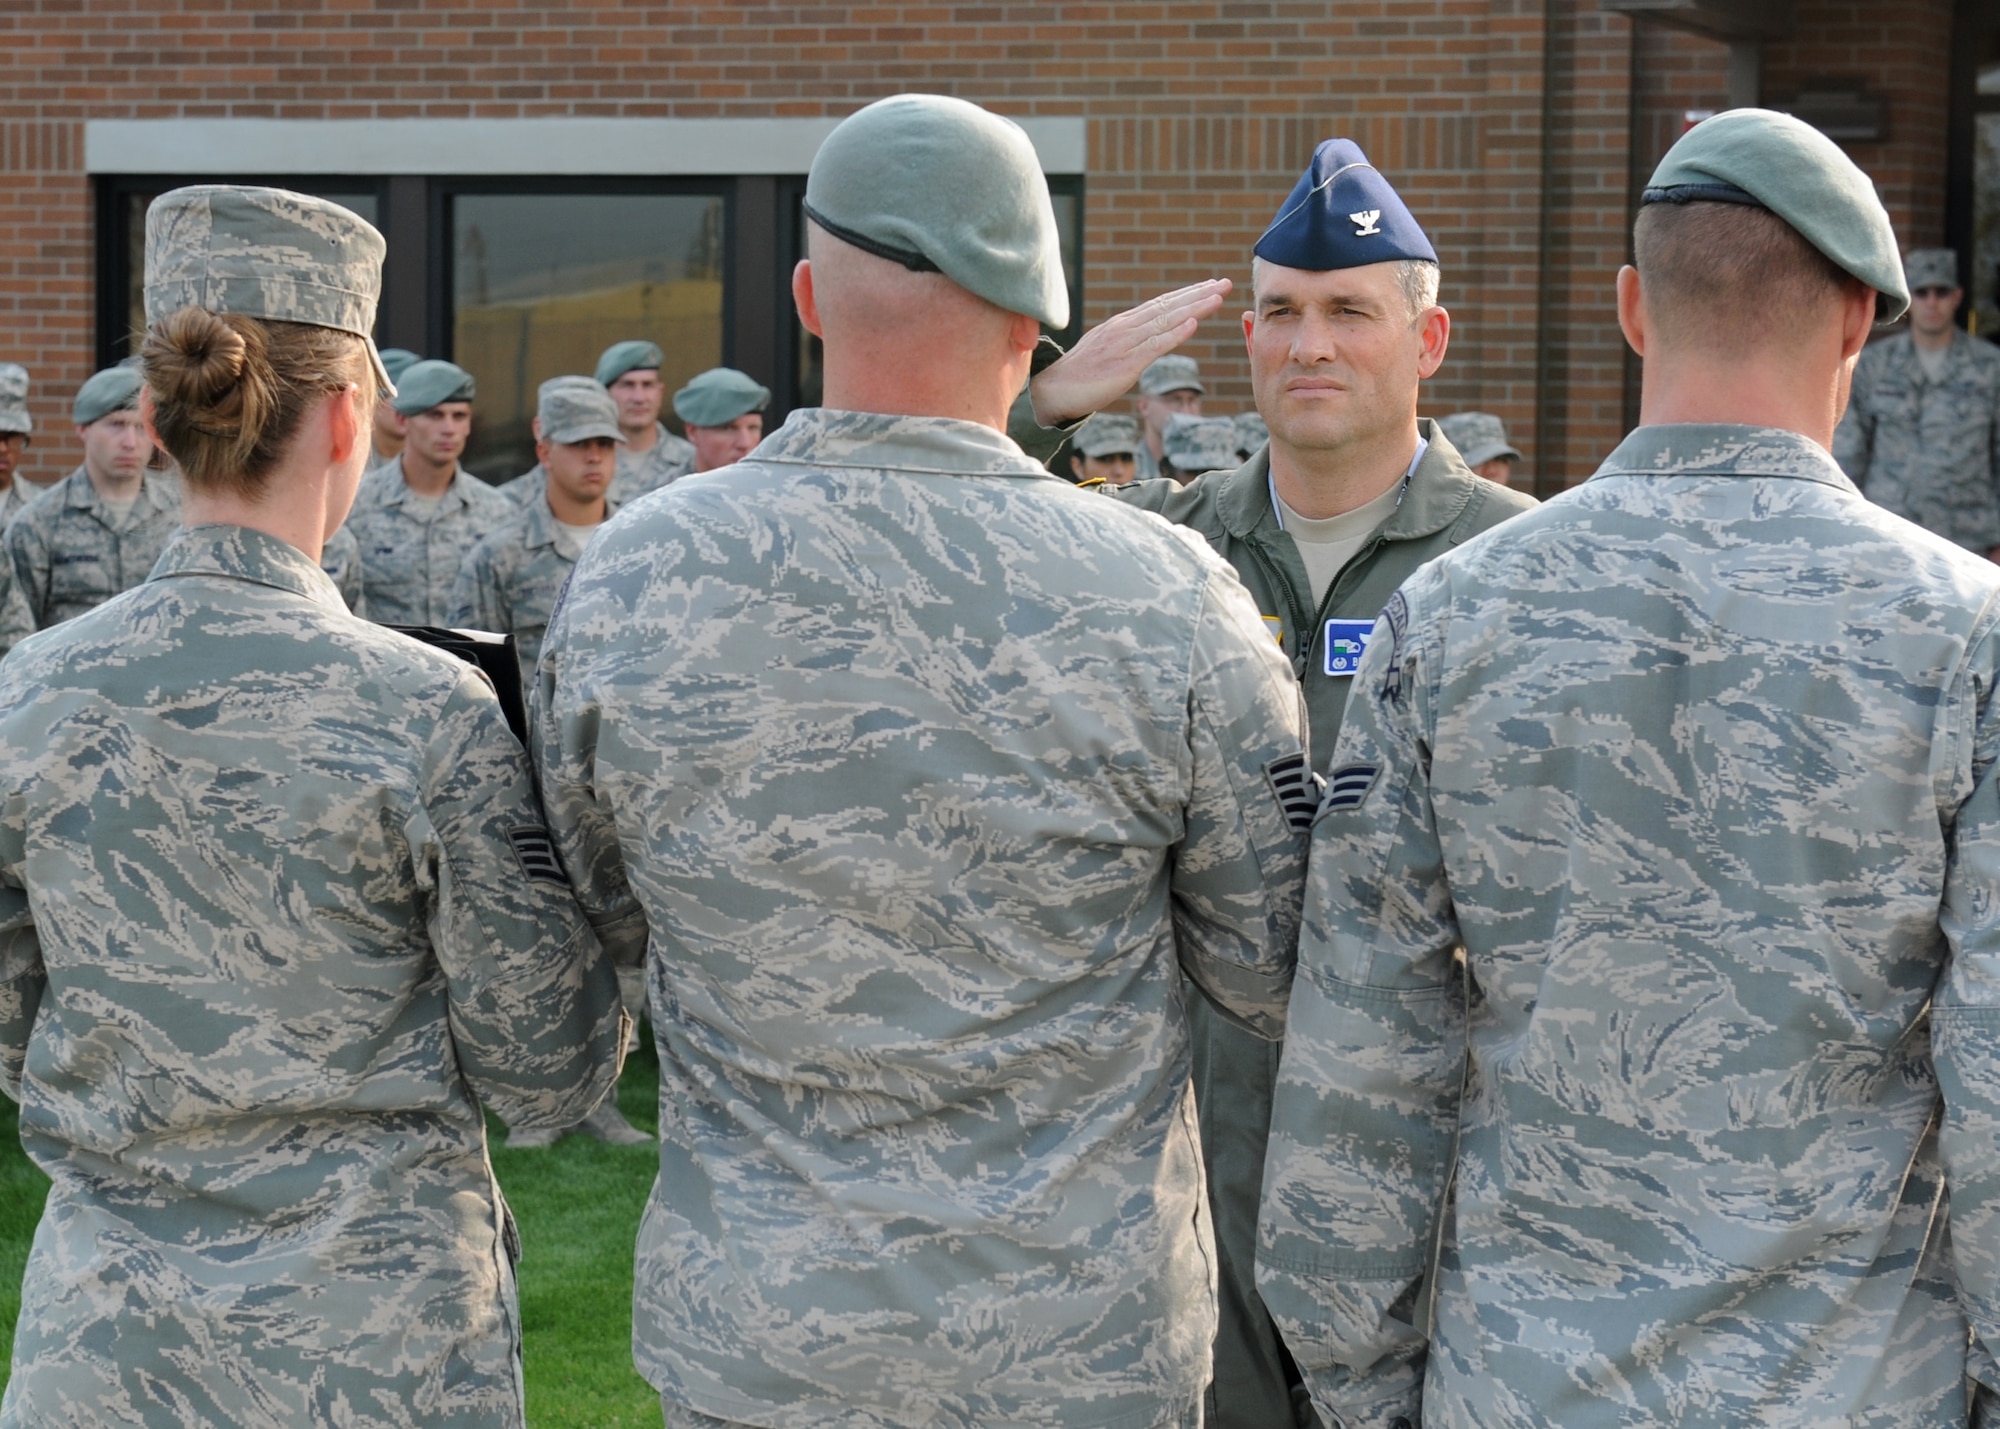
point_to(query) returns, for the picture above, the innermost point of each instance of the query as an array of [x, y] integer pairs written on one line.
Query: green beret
[[1776, 162], [718, 397], [1931, 268], [14, 415], [623, 357], [431, 383], [398, 360], [940, 185], [265, 253], [115, 389]]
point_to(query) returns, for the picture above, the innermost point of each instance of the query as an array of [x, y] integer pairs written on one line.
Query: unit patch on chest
[[1346, 642]]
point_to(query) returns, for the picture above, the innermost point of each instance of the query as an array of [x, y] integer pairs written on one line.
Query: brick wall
[[1200, 116]]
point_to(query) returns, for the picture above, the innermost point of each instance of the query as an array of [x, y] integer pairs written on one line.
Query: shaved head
[[908, 342]]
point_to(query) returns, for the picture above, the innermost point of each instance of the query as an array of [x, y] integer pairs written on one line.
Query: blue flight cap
[[1342, 214]]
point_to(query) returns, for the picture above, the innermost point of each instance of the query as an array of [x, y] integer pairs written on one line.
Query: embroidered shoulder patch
[[1348, 785], [1297, 789], [537, 854], [1396, 621]]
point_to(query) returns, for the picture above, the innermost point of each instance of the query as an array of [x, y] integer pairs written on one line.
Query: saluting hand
[[1108, 359]]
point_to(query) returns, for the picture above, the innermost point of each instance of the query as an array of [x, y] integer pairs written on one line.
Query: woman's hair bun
[[205, 365]]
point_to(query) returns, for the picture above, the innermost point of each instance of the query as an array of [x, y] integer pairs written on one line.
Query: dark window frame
[[760, 331], [110, 192]]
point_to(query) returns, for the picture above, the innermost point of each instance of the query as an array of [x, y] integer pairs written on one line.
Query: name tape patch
[[537, 853], [1297, 789], [1346, 642], [1348, 785]]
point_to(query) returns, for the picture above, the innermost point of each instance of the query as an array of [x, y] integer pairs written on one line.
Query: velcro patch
[[1348, 785], [1346, 640], [537, 853], [1297, 789]]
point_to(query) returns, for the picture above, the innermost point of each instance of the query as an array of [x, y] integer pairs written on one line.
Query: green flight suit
[[1235, 1072]]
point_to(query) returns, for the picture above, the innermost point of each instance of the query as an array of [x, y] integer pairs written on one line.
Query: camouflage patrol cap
[[719, 396], [1251, 432], [265, 253], [1773, 161], [1106, 435], [14, 415], [1197, 444], [942, 186], [431, 383], [115, 389], [575, 410], [1931, 268], [1172, 373], [620, 358], [1479, 437]]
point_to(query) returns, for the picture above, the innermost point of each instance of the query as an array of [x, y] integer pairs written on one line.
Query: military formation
[[1277, 929]]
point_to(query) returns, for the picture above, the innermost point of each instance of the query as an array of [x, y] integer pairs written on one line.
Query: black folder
[[496, 657]]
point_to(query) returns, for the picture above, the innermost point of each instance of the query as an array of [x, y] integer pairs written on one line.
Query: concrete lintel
[[494, 147]]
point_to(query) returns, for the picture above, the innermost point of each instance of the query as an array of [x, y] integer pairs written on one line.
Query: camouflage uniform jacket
[[69, 558], [510, 582], [1696, 764], [922, 829], [666, 461], [409, 562], [1928, 450], [1445, 505], [275, 904], [340, 558], [16, 497]]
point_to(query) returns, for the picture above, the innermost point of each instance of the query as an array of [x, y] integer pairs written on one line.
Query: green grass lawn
[[578, 1207]]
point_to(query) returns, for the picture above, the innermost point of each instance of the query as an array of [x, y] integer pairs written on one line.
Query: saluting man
[[99, 530], [922, 869], [418, 517], [1653, 901], [1351, 494], [652, 456]]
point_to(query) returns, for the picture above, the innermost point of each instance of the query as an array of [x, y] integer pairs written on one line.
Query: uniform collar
[[1441, 487], [396, 491], [238, 553], [1722, 449], [82, 494], [821, 436]]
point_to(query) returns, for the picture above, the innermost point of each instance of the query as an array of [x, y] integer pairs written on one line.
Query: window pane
[[543, 283], [136, 205]]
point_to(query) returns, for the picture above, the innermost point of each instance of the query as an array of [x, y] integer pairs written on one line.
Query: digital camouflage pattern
[[14, 500], [1234, 1073], [71, 554], [265, 253], [937, 773], [276, 905], [410, 554], [510, 581], [340, 558], [669, 459], [1696, 763], [17, 622], [1928, 450]]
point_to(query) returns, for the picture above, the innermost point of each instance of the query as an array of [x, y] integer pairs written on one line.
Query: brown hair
[[1728, 278], [229, 391]]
